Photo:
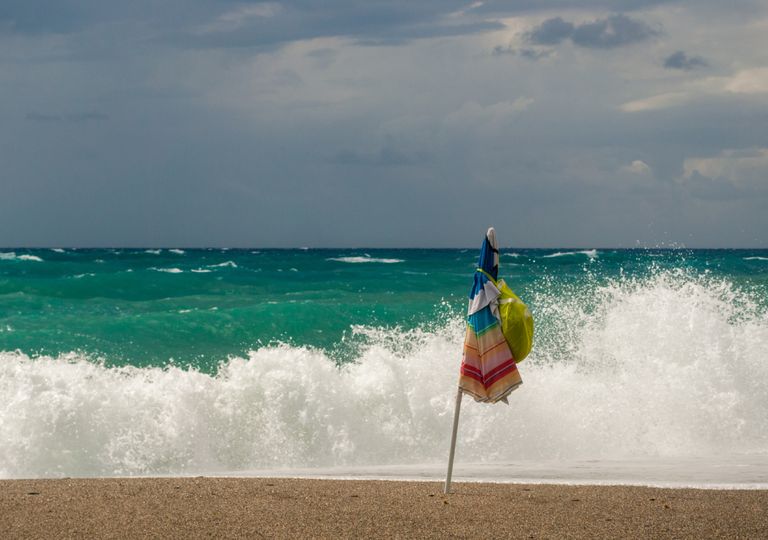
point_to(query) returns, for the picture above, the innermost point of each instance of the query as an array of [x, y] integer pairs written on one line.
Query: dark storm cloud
[[235, 24], [228, 23], [613, 31], [500, 50], [680, 60], [506, 7], [551, 32], [525, 52]]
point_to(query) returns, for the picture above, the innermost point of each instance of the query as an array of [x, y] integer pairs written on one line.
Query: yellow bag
[[516, 320]]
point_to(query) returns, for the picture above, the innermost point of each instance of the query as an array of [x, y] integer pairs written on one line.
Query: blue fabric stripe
[[485, 262], [482, 320], [480, 281], [486, 259]]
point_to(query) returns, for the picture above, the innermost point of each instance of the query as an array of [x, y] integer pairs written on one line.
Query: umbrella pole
[[447, 488]]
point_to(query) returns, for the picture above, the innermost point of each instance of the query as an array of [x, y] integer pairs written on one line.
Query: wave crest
[[11, 256], [366, 259], [591, 253], [671, 365]]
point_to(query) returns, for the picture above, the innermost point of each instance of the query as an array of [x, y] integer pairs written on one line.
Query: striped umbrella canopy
[[488, 368]]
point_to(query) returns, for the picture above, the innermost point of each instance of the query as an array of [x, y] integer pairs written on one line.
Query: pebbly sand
[[294, 508]]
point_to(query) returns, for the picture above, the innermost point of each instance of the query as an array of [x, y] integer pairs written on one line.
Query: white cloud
[[239, 17], [748, 81], [661, 101], [637, 167], [462, 12], [739, 167]]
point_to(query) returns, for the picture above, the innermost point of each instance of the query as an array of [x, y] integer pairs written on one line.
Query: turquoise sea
[[192, 361]]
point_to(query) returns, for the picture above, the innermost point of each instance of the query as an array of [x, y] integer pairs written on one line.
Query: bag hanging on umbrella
[[515, 318], [488, 367]]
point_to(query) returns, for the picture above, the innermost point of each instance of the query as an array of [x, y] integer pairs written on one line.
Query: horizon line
[[307, 248]]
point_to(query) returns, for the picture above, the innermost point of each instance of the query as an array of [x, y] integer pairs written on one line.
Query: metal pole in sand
[[447, 488]]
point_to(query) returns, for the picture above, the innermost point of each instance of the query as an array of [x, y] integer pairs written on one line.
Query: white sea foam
[[58, 250], [670, 367], [177, 251], [167, 270], [756, 258], [226, 264], [153, 251], [511, 254], [591, 253], [201, 271], [366, 259], [11, 256]]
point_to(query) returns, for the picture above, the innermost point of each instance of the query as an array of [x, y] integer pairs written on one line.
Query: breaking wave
[[671, 365], [11, 256], [591, 253], [357, 260]]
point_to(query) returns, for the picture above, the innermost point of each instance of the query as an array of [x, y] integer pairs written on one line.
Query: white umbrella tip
[[491, 235]]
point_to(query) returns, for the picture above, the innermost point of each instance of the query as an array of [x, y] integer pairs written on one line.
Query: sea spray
[[669, 365]]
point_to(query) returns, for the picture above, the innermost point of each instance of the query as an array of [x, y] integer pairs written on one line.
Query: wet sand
[[291, 508]]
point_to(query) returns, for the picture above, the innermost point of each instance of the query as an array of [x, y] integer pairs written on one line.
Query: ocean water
[[648, 365]]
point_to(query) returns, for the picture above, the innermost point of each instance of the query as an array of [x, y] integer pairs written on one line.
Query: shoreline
[[727, 472], [184, 507], [755, 486]]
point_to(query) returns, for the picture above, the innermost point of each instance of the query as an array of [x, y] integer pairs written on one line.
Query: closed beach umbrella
[[488, 368]]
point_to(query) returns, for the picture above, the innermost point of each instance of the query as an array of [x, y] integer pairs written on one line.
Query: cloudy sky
[[383, 123]]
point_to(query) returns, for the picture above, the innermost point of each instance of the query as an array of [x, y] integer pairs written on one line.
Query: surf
[[666, 366]]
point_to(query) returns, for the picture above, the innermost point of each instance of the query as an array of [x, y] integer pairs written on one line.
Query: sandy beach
[[294, 508]]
